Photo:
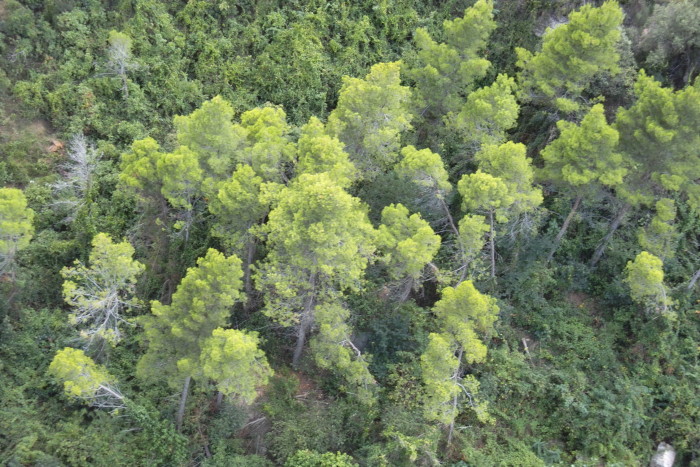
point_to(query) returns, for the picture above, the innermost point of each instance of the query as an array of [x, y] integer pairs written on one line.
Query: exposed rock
[[664, 457]]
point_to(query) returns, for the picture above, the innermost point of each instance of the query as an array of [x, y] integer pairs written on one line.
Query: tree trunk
[[613, 227], [219, 400], [250, 255], [694, 279], [122, 74], [455, 230], [406, 292], [492, 241], [13, 292], [564, 228], [307, 319], [304, 326], [183, 401], [455, 399]]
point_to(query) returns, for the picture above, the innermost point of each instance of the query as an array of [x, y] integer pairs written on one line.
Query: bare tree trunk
[[450, 220], [613, 227], [125, 87], [250, 255], [492, 241], [219, 400], [694, 279], [183, 401], [455, 399], [406, 292], [304, 326], [564, 228], [13, 292], [455, 230], [307, 319]]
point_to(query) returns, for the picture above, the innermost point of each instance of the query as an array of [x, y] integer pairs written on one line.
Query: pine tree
[[473, 229], [660, 237], [408, 244], [85, 380], [268, 148], [645, 278], [659, 137], [320, 241], [318, 152], [484, 118], [450, 68], [426, 170], [482, 192], [371, 115], [240, 207], [211, 134], [120, 61], [333, 349], [572, 54], [659, 134], [16, 227], [181, 184], [583, 160], [233, 359], [173, 182], [139, 168], [464, 316], [176, 333], [507, 166], [510, 163], [101, 291]]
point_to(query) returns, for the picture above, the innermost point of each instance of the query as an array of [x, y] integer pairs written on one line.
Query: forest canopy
[[325, 233]]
